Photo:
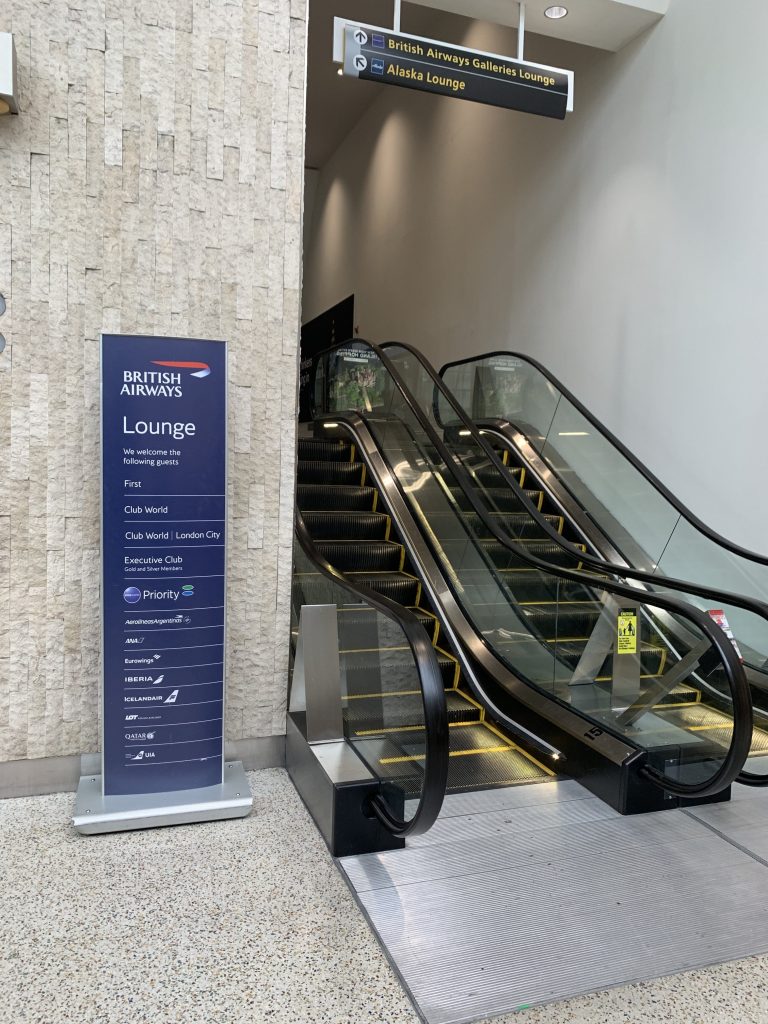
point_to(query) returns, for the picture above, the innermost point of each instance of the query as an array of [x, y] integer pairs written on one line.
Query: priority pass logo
[[131, 595], [196, 369]]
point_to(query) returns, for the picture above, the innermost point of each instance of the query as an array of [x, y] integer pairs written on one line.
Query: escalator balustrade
[[566, 620], [343, 512], [563, 616]]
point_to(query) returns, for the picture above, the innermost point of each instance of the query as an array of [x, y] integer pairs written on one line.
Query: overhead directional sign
[[380, 55]]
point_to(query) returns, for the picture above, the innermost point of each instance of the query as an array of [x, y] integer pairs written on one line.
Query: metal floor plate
[[539, 893]]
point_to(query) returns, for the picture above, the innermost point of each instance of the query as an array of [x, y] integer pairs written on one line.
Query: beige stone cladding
[[150, 185]]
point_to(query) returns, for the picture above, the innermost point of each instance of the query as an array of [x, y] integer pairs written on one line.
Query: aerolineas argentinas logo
[[166, 383]]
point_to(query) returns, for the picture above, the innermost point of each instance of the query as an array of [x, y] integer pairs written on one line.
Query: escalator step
[[501, 499], [711, 725], [312, 588], [547, 550], [479, 759], [388, 670], [516, 524], [397, 586], [489, 476], [565, 619], [330, 472], [355, 618], [374, 714], [347, 525], [542, 588], [653, 658], [363, 555], [333, 497], [326, 451]]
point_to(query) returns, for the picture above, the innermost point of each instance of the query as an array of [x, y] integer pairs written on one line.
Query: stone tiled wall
[[151, 184]]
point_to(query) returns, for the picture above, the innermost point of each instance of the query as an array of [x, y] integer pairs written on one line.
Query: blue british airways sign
[[164, 482]]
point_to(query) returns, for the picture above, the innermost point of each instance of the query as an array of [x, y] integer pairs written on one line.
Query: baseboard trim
[[42, 775]]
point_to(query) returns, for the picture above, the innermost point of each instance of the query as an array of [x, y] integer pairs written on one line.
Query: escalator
[[590, 492], [523, 630], [343, 513]]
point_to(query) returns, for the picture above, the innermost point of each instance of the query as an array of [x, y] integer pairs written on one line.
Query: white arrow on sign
[[360, 62], [360, 37]]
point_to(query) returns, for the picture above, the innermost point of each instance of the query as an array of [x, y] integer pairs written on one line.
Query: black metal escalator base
[[338, 804]]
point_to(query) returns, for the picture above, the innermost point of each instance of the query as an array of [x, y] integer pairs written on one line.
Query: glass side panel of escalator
[[640, 521], [382, 704]]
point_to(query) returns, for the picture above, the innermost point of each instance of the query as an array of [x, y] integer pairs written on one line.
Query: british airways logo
[[164, 383]]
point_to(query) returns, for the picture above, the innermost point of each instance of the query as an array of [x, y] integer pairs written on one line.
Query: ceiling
[[335, 104], [605, 24]]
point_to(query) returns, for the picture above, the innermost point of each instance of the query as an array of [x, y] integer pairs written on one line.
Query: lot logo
[[131, 595], [198, 369]]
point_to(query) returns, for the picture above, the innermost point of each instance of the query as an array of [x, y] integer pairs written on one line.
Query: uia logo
[[196, 369]]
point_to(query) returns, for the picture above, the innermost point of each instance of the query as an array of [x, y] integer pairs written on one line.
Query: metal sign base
[[96, 814]]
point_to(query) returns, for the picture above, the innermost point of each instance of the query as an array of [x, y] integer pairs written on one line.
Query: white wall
[[626, 248]]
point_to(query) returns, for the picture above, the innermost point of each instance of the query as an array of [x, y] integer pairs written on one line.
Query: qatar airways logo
[[165, 383]]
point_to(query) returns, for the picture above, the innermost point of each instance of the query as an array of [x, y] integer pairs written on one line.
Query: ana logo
[[196, 369], [131, 595]]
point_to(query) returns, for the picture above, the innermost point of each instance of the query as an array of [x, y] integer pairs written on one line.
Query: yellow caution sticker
[[626, 641]]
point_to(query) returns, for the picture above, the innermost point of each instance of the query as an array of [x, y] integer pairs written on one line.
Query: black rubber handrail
[[741, 737], [432, 692], [651, 477]]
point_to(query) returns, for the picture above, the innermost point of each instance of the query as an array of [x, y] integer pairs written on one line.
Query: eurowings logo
[[196, 369]]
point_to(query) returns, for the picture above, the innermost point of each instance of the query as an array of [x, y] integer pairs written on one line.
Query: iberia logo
[[199, 369]]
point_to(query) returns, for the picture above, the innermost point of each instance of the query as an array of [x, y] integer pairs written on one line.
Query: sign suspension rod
[[398, 6], [520, 32]]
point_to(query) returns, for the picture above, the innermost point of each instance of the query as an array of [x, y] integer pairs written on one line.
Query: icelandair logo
[[161, 383]]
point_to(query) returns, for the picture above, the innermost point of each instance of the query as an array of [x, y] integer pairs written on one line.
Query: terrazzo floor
[[241, 921]]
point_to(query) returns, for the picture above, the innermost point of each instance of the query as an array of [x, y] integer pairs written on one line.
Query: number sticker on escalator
[[626, 640]]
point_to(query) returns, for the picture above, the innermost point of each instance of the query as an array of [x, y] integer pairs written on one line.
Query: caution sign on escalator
[[626, 639]]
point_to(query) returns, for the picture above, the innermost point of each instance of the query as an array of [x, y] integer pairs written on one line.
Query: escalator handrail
[[741, 737], [649, 475], [710, 594], [432, 692]]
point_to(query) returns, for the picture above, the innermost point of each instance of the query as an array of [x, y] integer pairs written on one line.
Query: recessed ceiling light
[[340, 71], [556, 12]]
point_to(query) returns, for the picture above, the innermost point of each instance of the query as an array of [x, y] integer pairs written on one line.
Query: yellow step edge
[[392, 693], [453, 753], [407, 728], [457, 667], [492, 728]]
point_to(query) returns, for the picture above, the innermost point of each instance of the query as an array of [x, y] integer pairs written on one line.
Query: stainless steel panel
[[541, 899], [552, 846], [340, 763], [316, 685], [457, 804], [514, 820]]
